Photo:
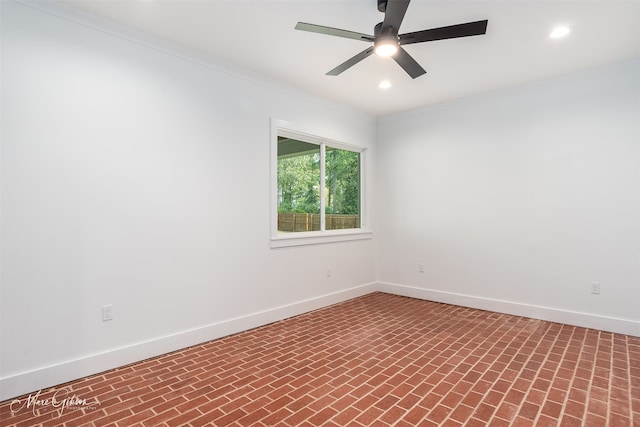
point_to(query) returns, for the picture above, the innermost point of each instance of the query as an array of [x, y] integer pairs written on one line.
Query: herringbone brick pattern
[[377, 360]]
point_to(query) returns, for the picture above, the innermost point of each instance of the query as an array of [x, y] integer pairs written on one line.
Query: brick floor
[[377, 360]]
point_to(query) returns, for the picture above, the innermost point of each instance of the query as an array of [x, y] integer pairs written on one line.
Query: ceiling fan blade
[[394, 15], [313, 28], [476, 28], [409, 64], [351, 62]]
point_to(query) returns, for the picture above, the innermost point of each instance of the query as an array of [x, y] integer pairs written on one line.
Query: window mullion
[[322, 183]]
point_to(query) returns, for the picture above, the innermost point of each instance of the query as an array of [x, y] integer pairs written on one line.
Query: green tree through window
[[342, 181], [299, 186]]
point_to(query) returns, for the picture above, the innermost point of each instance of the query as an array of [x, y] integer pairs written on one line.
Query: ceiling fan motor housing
[[388, 37]]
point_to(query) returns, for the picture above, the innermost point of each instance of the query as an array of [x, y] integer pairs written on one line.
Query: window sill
[[284, 240]]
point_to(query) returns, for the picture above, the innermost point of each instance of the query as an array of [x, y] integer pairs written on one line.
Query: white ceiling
[[259, 35]]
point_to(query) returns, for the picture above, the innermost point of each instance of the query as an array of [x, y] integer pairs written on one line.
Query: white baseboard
[[585, 320], [49, 376]]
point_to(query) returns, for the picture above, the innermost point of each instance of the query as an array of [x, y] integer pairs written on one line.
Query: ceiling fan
[[386, 40]]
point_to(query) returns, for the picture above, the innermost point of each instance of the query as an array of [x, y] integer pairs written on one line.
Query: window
[[316, 190], [298, 185]]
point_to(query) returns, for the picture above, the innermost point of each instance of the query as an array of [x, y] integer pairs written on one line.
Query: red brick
[[376, 360]]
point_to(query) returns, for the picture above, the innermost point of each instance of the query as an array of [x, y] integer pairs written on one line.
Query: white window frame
[[278, 240]]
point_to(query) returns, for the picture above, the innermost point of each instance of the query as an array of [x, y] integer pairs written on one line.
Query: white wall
[[518, 200], [133, 177]]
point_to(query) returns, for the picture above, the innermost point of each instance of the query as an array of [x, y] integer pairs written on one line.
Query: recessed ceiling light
[[385, 84], [559, 32]]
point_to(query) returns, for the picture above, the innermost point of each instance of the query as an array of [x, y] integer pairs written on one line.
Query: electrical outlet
[[421, 267], [107, 312], [595, 288]]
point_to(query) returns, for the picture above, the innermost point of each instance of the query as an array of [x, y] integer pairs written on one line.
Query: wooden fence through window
[[298, 222]]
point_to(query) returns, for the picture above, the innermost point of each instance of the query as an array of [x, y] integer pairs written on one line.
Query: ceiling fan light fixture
[[386, 46]]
